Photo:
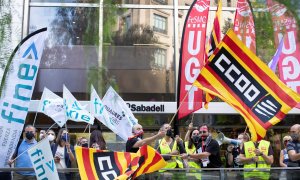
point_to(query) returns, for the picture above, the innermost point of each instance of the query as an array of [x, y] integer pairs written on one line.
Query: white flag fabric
[[16, 90], [99, 112], [74, 110], [120, 115], [53, 106], [42, 160]]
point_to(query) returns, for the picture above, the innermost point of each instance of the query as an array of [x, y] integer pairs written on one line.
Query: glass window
[[160, 24], [139, 60], [160, 56], [127, 22], [71, 50], [161, 1]]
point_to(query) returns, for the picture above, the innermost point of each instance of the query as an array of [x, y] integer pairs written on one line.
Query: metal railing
[[207, 173]]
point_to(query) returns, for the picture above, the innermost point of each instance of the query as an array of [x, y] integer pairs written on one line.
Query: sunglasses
[[202, 132]]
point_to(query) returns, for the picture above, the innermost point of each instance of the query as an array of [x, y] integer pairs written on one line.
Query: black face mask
[[85, 145], [169, 133], [29, 135], [196, 139]]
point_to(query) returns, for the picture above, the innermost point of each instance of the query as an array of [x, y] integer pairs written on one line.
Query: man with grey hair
[[293, 147], [23, 159], [136, 141]]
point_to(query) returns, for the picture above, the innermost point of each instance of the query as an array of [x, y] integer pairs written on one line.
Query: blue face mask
[[65, 137]]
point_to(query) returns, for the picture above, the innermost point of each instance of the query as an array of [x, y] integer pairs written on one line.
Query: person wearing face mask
[[192, 139], [63, 153], [169, 147], [51, 136], [293, 147], [136, 141], [208, 150], [97, 140], [24, 161]]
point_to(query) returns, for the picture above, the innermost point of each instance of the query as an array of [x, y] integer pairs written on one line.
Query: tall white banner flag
[[42, 161], [53, 106], [120, 115], [16, 90], [74, 110]]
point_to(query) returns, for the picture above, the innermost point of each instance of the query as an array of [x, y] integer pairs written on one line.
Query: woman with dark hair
[[63, 153], [97, 141], [191, 148]]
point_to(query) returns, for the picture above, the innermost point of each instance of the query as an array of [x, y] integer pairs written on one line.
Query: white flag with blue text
[[16, 90], [99, 112], [42, 161], [74, 110], [53, 106], [120, 115]]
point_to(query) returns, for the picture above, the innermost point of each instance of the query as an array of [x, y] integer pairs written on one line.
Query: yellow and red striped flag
[[237, 76], [98, 164], [214, 40]]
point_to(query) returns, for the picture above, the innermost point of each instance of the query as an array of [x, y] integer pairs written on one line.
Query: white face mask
[[50, 137]]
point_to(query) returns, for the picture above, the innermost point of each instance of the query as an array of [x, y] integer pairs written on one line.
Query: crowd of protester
[[198, 149]]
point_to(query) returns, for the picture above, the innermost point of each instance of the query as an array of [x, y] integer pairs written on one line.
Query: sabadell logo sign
[[141, 107]]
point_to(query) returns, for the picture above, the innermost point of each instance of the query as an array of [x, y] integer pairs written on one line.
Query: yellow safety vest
[[165, 149], [249, 153], [191, 163]]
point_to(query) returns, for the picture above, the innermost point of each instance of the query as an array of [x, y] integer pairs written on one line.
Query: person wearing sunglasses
[[284, 157], [208, 150]]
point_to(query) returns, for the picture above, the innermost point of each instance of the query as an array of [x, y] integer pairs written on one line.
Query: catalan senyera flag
[[98, 164], [237, 76], [214, 40]]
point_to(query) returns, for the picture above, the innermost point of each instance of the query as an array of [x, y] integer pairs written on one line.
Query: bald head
[[295, 128], [136, 129]]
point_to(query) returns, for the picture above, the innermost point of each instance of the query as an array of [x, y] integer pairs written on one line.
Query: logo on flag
[[42, 160], [16, 90], [74, 110], [98, 164], [241, 79], [52, 105], [120, 116]]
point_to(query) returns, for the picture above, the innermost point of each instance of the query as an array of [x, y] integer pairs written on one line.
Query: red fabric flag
[[192, 57], [237, 76], [244, 25], [289, 60]]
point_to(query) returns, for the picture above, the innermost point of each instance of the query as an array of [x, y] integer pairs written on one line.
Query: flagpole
[[34, 118], [89, 135], [177, 110], [85, 128], [50, 127]]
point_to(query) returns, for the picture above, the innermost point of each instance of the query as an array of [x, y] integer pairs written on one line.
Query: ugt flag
[[74, 110], [42, 161], [192, 58], [120, 115], [53, 106], [244, 24], [98, 110], [16, 90], [98, 164], [285, 26], [237, 76]]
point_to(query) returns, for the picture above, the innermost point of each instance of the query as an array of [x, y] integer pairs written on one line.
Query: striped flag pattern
[[99, 164], [215, 38], [237, 76]]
